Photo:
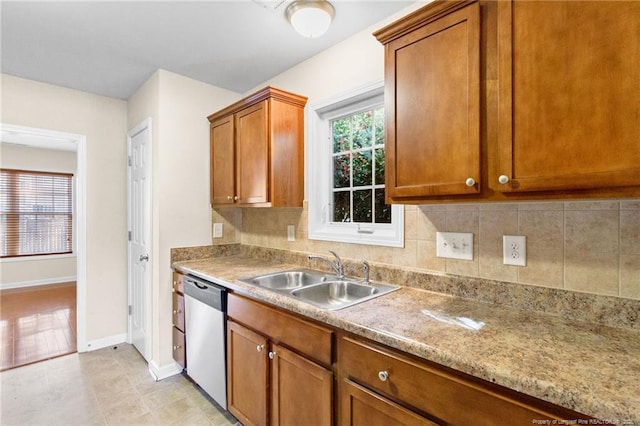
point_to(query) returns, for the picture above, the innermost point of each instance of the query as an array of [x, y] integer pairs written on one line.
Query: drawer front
[[179, 354], [178, 311], [178, 284], [311, 340], [438, 392]]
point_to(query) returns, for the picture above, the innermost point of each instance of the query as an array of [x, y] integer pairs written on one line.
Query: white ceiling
[[111, 48]]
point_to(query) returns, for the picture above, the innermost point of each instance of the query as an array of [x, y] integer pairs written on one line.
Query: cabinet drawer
[[437, 391], [311, 340], [178, 311], [178, 284], [178, 347]]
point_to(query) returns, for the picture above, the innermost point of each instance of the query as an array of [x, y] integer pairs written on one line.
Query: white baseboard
[[165, 371], [94, 345], [24, 284]]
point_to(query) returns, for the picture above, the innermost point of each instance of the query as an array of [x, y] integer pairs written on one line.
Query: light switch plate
[[291, 233], [454, 245], [217, 230]]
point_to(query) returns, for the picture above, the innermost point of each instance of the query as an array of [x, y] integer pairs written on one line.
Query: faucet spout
[[336, 265]]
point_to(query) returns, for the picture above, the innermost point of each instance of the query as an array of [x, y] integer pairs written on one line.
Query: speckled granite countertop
[[591, 369]]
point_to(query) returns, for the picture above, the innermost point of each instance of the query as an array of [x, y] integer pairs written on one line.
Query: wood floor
[[37, 323]]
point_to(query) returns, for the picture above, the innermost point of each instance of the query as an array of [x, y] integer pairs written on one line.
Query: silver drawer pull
[[383, 375], [272, 355], [177, 312], [175, 348], [259, 348]]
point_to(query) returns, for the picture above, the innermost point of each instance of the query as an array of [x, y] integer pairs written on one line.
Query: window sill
[[37, 258]]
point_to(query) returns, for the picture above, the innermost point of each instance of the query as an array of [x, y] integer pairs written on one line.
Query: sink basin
[[288, 280], [333, 295], [318, 288]]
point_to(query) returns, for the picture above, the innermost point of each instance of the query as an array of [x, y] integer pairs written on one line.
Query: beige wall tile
[[405, 256], [498, 206], [491, 266], [545, 267], [543, 229], [547, 205], [592, 230], [629, 231], [592, 272], [493, 225], [426, 257], [463, 221], [630, 276], [429, 222], [411, 224], [591, 205], [462, 207], [433, 207], [469, 268], [633, 203]]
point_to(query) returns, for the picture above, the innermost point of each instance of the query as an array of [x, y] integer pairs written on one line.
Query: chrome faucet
[[336, 265], [365, 272]]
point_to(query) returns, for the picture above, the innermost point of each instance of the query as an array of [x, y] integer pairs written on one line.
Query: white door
[[139, 212]]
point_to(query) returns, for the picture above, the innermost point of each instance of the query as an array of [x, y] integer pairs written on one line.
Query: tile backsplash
[[584, 246]]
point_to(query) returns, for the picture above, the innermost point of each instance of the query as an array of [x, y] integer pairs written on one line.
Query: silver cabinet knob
[[177, 311], [272, 355], [235, 198], [176, 347], [259, 348], [470, 182], [383, 375], [229, 197], [503, 179]]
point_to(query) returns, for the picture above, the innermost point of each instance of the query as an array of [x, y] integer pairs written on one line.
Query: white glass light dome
[[310, 18]]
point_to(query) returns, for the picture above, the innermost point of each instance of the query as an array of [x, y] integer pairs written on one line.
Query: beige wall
[[30, 271], [103, 121], [586, 246], [178, 107]]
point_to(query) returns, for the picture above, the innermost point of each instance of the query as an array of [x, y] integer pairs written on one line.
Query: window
[[35, 213], [345, 166]]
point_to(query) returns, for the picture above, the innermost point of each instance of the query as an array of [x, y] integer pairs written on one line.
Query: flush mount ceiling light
[[310, 18]]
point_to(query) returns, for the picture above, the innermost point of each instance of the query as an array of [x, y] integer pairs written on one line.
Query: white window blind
[[36, 213]]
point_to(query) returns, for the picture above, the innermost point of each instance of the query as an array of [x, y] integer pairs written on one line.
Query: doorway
[[50, 139]]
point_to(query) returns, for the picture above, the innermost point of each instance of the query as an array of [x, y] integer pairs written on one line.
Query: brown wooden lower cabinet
[[362, 407], [270, 379], [393, 382], [179, 350]]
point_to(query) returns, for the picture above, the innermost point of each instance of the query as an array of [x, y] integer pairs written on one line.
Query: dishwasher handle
[[206, 292]]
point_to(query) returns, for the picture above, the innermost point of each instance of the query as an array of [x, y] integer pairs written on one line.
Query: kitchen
[[604, 232]]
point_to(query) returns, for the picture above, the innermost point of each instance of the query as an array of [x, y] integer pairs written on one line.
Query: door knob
[[144, 257]]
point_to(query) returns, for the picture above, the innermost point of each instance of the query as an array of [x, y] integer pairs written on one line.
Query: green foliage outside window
[[358, 168]]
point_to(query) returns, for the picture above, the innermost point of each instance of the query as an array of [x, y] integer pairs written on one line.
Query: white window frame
[[319, 169]]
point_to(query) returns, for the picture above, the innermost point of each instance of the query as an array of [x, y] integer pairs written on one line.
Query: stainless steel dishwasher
[[205, 324]]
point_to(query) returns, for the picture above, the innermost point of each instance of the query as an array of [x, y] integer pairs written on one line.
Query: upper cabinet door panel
[[433, 107], [569, 95], [252, 144], [222, 161]]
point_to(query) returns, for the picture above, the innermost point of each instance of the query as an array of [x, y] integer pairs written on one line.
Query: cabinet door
[[569, 93], [222, 161], [302, 391], [432, 103], [247, 375], [252, 145], [361, 407]]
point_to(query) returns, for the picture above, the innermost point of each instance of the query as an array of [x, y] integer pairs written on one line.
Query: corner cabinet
[[257, 151], [278, 366], [513, 100]]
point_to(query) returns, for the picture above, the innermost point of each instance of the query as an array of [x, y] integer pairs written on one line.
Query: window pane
[[341, 171], [342, 206], [341, 134], [362, 129], [383, 210], [379, 125], [379, 166], [362, 168], [362, 206]]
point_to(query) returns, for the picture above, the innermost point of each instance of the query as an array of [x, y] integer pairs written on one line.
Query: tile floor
[[110, 386], [37, 323]]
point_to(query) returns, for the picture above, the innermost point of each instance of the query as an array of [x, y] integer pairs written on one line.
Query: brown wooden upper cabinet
[[257, 151], [513, 100]]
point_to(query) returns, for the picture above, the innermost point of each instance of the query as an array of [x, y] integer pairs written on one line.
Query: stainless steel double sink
[[318, 288]]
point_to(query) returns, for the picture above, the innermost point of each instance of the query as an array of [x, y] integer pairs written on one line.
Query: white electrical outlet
[[514, 250], [291, 233], [454, 245], [217, 230]]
